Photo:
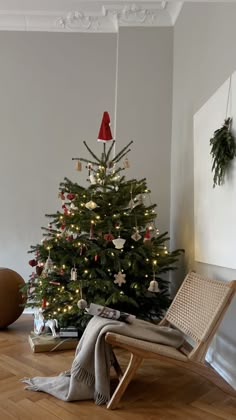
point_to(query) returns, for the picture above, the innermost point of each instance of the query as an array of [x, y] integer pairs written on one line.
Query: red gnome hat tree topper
[[105, 131]]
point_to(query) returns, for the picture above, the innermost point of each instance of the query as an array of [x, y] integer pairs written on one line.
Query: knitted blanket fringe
[[79, 373], [31, 386]]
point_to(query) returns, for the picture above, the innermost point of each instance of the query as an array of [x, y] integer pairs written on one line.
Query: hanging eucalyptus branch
[[223, 151]]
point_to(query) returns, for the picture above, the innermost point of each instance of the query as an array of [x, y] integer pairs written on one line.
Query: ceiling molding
[[92, 16]]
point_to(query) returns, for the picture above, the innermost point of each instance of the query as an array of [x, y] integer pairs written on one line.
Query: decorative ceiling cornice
[[92, 16]]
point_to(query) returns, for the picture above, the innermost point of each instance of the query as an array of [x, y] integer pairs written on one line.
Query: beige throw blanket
[[89, 376]]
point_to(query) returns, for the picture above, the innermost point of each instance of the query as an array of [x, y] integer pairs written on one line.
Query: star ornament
[[91, 205], [120, 278]]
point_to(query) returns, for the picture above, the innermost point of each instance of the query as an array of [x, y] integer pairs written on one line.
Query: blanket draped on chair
[[89, 376]]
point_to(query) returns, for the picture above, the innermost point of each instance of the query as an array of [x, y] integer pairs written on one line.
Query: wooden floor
[[158, 391]]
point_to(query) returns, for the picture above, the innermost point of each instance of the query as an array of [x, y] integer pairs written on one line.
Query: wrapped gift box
[[44, 343]]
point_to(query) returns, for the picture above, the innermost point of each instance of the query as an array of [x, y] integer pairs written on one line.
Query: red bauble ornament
[[33, 263], [108, 237], [70, 196], [39, 270]]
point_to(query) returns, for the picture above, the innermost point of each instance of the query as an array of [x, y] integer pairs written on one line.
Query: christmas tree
[[103, 246]]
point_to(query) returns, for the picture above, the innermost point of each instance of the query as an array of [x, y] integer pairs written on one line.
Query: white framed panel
[[214, 208]]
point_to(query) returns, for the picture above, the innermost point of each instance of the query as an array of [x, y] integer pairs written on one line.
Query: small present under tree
[[103, 246]]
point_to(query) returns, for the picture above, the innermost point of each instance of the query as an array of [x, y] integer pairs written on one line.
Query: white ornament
[[73, 274], [92, 179], [91, 205], [131, 204], [82, 304], [48, 265], [154, 287], [120, 278], [119, 242], [73, 207], [138, 200]]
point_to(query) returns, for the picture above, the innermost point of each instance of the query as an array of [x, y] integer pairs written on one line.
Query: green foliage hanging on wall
[[223, 151]]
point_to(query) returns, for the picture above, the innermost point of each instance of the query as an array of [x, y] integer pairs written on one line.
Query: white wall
[[54, 89], [144, 108], [204, 57]]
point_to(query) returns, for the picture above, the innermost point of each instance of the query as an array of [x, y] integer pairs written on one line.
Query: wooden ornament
[[126, 163], [78, 165]]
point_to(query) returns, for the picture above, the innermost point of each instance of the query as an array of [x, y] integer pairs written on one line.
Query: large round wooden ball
[[11, 299]]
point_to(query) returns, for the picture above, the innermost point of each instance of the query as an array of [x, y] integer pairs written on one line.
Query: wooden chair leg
[[117, 367], [133, 365]]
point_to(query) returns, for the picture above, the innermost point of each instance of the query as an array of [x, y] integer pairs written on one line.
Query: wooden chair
[[197, 310]]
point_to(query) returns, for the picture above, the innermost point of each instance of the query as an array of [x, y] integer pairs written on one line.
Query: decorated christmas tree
[[103, 246]]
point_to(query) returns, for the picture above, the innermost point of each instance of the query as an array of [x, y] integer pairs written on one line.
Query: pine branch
[[91, 152], [109, 151], [120, 157], [122, 152], [86, 160]]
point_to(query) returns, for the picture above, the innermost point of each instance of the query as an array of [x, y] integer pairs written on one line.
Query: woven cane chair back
[[198, 305]]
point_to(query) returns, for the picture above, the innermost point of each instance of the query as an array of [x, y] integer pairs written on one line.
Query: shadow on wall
[[221, 354]]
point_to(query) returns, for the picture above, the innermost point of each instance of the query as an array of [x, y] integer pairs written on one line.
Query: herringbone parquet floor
[[158, 391]]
